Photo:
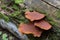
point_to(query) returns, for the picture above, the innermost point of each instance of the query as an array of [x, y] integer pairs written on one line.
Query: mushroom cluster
[[36, 26]]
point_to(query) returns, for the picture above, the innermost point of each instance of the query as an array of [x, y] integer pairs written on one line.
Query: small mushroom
[[30, 29], [34, 15], [43, 25]]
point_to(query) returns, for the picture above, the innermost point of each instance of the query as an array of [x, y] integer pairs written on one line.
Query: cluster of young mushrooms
[[36, 26]]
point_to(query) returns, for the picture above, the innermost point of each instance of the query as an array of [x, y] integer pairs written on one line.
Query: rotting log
[[47, 7]]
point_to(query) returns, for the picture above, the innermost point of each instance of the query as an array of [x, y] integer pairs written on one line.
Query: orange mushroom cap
[[34, 15], [30, 29], [43, 25]]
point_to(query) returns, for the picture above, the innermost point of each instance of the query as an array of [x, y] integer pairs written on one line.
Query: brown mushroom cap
[[30, 29], [34, 15], [43, 25]]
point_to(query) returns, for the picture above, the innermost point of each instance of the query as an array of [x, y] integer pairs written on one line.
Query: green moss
[[15, 7], [19, 1], [4, 37], [57, 14], [0, 32], [15, 13], [2, 16], [40, 10]]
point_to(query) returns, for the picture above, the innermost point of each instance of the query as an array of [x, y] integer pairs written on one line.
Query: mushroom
[[34, 15], [30, 29], [43, 24]]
